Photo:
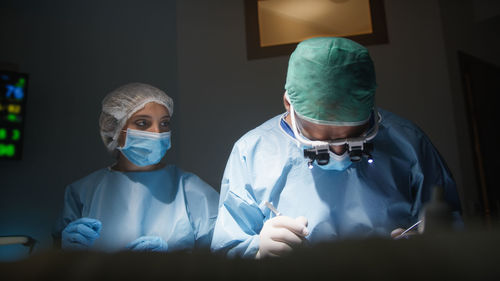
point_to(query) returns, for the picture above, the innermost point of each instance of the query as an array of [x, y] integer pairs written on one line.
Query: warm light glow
[[291, 21]]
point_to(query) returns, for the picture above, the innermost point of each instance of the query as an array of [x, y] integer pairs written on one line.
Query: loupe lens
[[322, 161], [355, 155]]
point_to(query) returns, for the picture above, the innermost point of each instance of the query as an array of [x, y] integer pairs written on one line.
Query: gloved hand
[[80, 234], [148, 244], [280, 235]]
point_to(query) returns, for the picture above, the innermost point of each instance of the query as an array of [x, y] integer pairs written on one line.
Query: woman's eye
[[141, 123], [165, 123]]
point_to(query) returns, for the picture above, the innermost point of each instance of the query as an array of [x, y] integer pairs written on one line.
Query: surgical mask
[[145, 148], [337, 162]]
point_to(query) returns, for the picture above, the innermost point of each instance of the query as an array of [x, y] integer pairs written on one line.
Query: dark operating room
[[438, 65]]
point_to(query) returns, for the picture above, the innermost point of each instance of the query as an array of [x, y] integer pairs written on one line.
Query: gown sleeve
[[201, 203], [240, 218], [432, 170]]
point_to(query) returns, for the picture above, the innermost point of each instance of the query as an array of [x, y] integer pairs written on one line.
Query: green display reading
[[8, 150], [16, 134], [12, 117]]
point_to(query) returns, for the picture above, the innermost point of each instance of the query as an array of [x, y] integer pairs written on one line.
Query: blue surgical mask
[[337, 162], [145, 148]]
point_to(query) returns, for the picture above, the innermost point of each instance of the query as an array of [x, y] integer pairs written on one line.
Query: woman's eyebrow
[[142, 116]]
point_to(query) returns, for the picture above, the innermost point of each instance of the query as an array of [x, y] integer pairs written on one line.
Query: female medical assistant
[[138, 203]]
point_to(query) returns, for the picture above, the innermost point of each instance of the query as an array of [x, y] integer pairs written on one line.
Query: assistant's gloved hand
[[280, 235], [148, 244], [80, 234]]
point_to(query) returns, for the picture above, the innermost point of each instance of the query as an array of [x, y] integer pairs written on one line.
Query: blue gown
[[365, 200], [170, 203]]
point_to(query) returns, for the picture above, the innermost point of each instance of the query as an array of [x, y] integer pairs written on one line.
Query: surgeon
[[333, 166], [138, 203]]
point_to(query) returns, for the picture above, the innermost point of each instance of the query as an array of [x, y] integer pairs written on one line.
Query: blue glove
[[149, 244], [80, 234]]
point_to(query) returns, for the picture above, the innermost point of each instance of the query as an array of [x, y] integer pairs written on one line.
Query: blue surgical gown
[[170, 203], [365, 200]]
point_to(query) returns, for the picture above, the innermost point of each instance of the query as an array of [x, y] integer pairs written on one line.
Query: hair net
[[331, 81], [119, 105]]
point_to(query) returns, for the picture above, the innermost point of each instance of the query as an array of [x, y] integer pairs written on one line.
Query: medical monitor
[[13, 90]]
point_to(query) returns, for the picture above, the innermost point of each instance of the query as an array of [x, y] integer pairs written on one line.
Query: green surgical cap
[[331, 81]]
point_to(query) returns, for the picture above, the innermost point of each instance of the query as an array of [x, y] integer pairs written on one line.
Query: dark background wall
[[473, 28], [75, 52]]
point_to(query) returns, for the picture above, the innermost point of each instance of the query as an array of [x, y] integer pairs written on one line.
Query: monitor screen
[[13, 89]]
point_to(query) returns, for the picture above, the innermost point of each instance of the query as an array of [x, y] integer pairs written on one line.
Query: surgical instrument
[[408, 229]]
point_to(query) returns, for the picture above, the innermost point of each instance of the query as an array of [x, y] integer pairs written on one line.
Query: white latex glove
[[280, 235]]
